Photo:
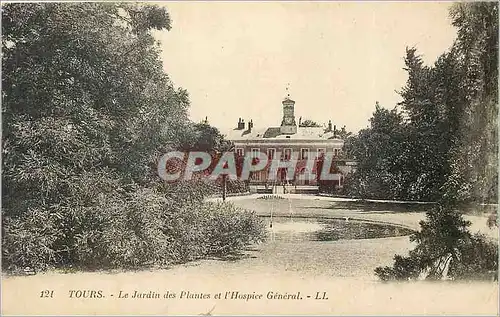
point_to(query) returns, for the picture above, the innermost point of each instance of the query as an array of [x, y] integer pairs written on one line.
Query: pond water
[[317, 229]]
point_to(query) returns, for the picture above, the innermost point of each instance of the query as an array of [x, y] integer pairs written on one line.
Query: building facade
[[291, 140]]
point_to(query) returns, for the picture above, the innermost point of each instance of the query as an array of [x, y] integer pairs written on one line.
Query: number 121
[[47, 293]]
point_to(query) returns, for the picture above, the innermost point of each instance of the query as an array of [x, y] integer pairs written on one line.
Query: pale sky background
[[236, 58]]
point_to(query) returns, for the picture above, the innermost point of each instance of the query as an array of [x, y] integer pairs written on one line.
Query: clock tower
[[288, 125]]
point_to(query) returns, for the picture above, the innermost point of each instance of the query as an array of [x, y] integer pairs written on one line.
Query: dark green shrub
[[141, 228], [28, 241], [230, 229]]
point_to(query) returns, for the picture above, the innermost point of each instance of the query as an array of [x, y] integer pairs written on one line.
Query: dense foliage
[[448, 150], [87, 110], [441, 140]]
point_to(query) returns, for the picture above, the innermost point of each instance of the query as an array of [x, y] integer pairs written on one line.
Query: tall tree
[[379, 151], [475, 155], [73, 99], [425, 159], [85, 107], [465, 91], [87, 110]]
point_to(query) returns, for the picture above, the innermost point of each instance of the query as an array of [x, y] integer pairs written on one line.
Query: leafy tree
[[87, 110], [475, 154], [465, 96], [425, 98], [72, 97], [343, 133], [448, 147], [205, 138], [380, 156]]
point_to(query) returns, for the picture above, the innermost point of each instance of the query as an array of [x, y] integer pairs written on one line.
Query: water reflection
[[311, 229]]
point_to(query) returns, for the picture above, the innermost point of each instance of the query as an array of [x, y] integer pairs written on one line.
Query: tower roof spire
[[287, 99]]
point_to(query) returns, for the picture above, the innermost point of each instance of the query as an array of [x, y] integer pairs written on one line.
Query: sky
[[236, 59]]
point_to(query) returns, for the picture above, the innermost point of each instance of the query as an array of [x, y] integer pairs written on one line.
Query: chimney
[[241, 124], [334, 131], [329, 125], [250, 125]]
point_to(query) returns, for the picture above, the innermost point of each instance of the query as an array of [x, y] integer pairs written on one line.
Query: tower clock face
[[288, 120]]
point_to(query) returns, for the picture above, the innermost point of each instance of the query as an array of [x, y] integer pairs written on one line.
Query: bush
[[140, 228], [236, 186], [230, 229], [27, 241]]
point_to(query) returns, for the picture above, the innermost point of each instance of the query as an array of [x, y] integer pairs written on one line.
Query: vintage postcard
[[249, 158]]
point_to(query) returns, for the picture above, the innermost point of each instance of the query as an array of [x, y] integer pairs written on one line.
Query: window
[[255, 152], [304, 154], [321, 151], [240, 151], [336, 151], [270, 153], [287, 153], [255, 176]]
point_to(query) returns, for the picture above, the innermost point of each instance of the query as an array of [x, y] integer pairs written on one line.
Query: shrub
[[230, 229], [236, 186], [27, 241], [140, 228]]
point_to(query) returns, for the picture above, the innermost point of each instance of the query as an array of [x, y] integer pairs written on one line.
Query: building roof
[[303, 133]]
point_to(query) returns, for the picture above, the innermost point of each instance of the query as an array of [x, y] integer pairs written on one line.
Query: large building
[[290, 140]]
